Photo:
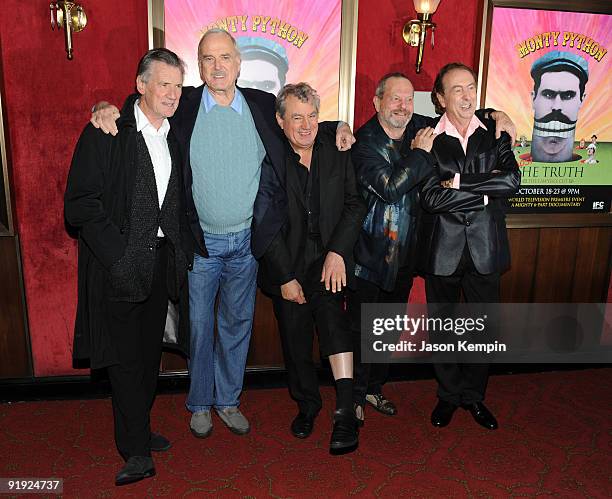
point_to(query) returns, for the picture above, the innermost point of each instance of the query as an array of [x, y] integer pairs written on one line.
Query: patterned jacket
[[387, 173]]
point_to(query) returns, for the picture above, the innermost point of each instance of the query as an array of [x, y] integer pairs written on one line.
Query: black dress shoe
[[302, 425], [381, 404], [345, 435], [482, 415], [135, 469], [442, 414], [159, 443]]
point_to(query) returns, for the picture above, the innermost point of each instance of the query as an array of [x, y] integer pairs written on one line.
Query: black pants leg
[[296, 328], [137, 329], [400, 294], [462, 383], [369, 378], [364, 292]]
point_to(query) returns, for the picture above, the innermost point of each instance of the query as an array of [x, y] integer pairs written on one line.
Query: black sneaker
[[345, 435]]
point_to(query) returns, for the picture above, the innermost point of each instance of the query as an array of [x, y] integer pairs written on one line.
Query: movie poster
[[280, 42], [550, 71]]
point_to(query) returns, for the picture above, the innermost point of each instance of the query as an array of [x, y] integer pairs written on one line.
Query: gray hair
[[380, 87], [217, 31], [158, 55], [302, 91]]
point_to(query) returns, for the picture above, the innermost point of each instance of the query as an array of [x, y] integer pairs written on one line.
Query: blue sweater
[[226, 154]]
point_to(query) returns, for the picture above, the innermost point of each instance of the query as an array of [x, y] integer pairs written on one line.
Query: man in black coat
[[124, 194], [463, 245], [391, 159], [310, 260]]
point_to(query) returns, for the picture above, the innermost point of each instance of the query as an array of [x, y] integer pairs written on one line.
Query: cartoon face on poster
[[279, 42], [549, 70]]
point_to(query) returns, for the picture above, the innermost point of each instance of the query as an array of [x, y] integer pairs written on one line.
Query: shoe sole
[[162, 449], [301, 436], [127, 481], [200, 435], [335, 448], [236, 431], [437, 425]]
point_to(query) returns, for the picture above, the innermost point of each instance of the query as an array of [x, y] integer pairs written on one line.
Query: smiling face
[[459, 97], [300, 123], [160, 90], [396, 106], [219, 63]]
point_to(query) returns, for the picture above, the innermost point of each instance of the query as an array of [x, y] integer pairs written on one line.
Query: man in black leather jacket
[[463, 245]]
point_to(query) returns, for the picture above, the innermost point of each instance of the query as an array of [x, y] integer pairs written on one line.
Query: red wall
[[381, 48], [47, 99]]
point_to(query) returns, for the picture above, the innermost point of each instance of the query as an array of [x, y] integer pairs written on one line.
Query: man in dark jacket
[[391, 159], [309, 262], [124, 194], [463, 246]]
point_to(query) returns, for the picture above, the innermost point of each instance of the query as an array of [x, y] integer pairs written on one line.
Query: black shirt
[[309, 180]]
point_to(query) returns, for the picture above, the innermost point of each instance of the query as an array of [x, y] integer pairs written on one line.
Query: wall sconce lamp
[[415, 30], [71, 17]]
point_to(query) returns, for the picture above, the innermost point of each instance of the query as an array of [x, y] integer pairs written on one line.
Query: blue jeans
[[217, 367]]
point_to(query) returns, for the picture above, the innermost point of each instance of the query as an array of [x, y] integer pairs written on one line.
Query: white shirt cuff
[[456, 181]]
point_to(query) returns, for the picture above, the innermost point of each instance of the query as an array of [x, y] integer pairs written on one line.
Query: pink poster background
[[317, 61], [509, 83]]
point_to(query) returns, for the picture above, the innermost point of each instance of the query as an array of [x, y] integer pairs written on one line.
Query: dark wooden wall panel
[[14, 345], [518, 283], [592, 273], [559, 265], [554, 271]]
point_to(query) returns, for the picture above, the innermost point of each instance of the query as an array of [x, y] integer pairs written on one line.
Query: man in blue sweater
[[229, 139]]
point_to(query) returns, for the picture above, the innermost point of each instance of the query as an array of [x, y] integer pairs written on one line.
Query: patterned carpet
[[554, 440]]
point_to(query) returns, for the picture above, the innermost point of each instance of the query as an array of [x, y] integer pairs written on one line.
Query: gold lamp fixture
[[415, 30], [71, 17]]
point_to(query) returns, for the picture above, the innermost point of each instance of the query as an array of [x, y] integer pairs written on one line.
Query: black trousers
[[369, 378], [462, 383], [322, 309], [137, 329]]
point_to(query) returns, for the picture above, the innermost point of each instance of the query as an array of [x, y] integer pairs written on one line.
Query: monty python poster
[[550, 71], [280, 42]]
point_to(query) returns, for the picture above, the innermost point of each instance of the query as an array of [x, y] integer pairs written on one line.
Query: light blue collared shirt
[[209, 101]]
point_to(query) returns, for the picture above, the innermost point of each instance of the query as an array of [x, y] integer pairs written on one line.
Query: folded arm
[[502, 181], [390, 181], [438, 199]]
